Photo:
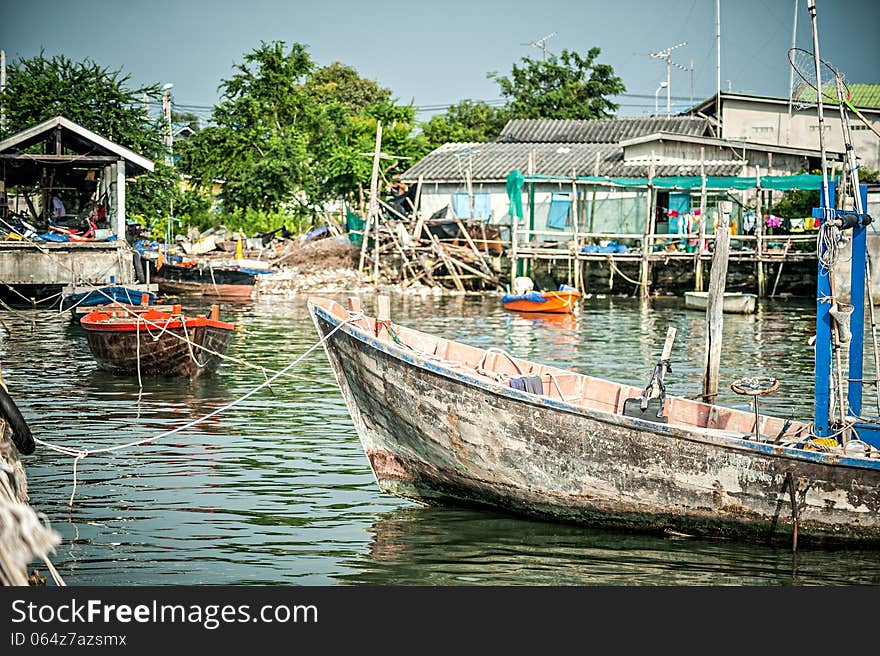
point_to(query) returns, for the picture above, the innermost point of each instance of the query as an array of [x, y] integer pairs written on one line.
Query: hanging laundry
[[750, 220]]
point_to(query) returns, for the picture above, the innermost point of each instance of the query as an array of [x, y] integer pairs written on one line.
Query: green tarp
[[355, 225], [774, 182], [515, 181]]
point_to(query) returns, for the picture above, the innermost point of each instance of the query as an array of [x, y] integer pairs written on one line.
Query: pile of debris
[[443, 250]]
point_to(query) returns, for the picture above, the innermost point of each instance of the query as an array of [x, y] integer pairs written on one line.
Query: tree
[[468, 121], [289, 135], [570, 86], [86, 93], [97, 98]]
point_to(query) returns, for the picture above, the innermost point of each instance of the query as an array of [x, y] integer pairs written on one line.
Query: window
[[763, 128], [461, 205], [560, 209]]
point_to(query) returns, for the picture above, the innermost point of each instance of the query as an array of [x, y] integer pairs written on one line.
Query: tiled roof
[[493, 161], [598, 131]]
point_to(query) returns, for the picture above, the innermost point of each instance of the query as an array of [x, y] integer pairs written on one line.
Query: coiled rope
[[79, 454]]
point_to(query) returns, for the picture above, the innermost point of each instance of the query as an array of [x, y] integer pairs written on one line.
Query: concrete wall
[[23, 264]]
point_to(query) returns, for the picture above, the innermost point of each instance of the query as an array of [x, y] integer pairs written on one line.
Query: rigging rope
[[79, 454]]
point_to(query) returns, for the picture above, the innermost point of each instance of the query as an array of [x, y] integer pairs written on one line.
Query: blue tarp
[[96, 297], [534, 297], [612, 247], [560, 206], [461, 205]]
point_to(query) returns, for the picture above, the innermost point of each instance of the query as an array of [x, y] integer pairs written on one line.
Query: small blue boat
[[106, 295]]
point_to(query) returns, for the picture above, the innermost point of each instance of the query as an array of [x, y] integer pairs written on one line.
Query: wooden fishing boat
[[220, 282], [443, 422], [734, 302], [559, 301], [156, 342]]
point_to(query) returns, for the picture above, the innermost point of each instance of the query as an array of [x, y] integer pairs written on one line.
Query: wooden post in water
[[645, 271], [573, 212], [701, 239], [715, 305], [759, 234]]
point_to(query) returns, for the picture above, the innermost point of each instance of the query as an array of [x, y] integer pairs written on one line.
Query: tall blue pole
[[857, 318], [822, 405]]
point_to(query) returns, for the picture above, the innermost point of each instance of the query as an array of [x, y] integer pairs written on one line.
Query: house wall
[[680, 152], [616, 211], [770, 123]]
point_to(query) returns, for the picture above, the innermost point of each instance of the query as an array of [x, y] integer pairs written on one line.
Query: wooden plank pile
[[405, 250]]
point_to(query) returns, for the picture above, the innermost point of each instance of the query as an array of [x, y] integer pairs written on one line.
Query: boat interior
[[571, 387]]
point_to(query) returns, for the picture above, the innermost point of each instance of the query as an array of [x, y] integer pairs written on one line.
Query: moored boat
[[559, 301], [221, 282], [155, 342], [734, 302], [443, 422]]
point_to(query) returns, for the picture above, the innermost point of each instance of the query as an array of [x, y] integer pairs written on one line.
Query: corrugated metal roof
[[598, 131], [493, 161]]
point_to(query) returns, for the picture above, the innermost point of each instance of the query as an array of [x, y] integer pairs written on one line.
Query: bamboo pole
[[715, 305], [698, 267], [759, 234], [645, 269], [574, 222], [373, 210], [438, 248], [374, 198]]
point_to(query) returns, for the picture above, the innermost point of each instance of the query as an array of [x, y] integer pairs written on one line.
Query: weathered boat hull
[[224, 284], [436, 436], [734, 302], [170, 355]]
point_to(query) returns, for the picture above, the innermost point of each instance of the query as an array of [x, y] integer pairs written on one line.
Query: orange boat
[[560, 301]]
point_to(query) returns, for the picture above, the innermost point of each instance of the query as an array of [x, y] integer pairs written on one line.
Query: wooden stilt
[[714, 309]]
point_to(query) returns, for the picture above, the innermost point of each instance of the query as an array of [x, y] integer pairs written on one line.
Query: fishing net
[[805, 86]]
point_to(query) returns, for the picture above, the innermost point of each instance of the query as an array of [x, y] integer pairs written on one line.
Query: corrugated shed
[[863, 95], [598, 131], [491, 162]]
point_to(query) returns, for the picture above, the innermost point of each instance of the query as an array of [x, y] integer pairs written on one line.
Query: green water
[[278, 491]]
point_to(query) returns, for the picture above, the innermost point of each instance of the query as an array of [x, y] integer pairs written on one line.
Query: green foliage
[[100, 100], [289, 135], [86, 93], [570, 86], [796, 204], [468, 121], [869, 175]]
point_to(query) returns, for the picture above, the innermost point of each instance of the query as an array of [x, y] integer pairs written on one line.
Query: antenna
[[542, 44], [665, 54]]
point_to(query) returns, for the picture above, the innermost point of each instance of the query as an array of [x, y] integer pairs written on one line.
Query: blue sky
[[437, 53]]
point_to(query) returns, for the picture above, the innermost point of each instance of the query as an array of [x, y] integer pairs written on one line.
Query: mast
[[718, 66]]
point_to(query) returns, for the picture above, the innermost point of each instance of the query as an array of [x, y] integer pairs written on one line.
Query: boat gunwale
[[109, 325], [713, 436]]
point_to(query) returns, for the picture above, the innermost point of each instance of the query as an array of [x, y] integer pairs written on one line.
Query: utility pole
[[542, 44], [2, 91], [666, 54], [166, 114], [692, 81], [791, 68], [718, 66]]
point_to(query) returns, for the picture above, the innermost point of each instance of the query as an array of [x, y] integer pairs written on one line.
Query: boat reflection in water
[[452, 546]]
